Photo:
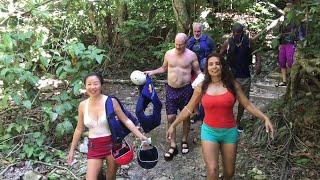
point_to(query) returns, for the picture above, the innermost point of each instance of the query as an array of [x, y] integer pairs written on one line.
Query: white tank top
[[97, 128]]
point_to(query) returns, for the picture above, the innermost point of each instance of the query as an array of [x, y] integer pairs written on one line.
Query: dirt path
[[251, 162], [190, 166]]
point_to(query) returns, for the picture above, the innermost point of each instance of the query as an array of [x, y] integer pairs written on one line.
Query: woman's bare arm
[[244, 101], [187, 110], [126, 121]]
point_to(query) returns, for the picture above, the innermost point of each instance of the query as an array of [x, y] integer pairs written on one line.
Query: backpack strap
[[204, 45], [117, 128], [191, 42], [109, 108]]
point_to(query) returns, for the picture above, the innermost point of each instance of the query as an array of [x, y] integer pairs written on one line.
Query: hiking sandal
[[168, 156], [184, 147]]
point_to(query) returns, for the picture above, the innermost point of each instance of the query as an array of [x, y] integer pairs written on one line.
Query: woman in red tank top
[[218, 93]]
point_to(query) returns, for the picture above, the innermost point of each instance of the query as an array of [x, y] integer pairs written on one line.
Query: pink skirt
[[99, 148]]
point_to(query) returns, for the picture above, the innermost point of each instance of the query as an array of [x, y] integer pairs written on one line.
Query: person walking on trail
[[201, 44], [91, 113], [239, 50], [178, 63], [218, 93], [288, 35]]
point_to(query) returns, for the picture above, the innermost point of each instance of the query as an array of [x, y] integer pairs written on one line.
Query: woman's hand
[[70, 157], [170, 132], [269, 127], [144, 138], [146, 142]]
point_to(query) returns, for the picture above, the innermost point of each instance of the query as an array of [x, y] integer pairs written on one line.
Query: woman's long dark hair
[[226, 75]]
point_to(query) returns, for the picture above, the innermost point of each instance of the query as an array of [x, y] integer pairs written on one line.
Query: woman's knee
[[93, 168], [228, 173], [111, 166], [111, 172], [212, 170]]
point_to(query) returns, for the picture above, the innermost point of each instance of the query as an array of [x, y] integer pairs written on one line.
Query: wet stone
[[31, 175]]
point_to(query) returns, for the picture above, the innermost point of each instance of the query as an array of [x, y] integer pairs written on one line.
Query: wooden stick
[[126, 81], [2, 172], [57, 166], [271, 26], [275, 8], [21, 135], [14, 149]]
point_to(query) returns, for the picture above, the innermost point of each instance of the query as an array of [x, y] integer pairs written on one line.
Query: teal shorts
[[219, 135]]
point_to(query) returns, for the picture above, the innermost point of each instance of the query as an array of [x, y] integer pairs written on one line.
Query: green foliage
[[309, 14], [302, 161], [30, 53], [263, 14], [57, 41], [161, 49], [64, 128]]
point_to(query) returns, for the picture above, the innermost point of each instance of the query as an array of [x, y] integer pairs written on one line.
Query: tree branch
[[21, 135], [20, 13], [57, 166], [181, 23], [2, 172], [273, 24], [44, 3], [126, 81], [97, 32], [275, 8]]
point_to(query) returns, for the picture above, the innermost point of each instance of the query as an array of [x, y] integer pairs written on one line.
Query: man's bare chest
[[179, 63]]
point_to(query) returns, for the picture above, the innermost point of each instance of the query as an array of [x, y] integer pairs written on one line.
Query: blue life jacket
[[148, 94], [203, 46], [118, 130]]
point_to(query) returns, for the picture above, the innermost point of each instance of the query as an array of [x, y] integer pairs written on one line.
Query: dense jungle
[[48, 46]]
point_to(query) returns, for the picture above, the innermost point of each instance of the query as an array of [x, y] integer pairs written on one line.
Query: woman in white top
[[91, 113]]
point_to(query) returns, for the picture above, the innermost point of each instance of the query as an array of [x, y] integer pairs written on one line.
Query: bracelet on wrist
[[188, 109]]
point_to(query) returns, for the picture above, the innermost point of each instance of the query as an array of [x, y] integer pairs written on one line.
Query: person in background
[[218, 94], [91, 113], [239, 50], [200, 44], [289, 34], [178, 63]]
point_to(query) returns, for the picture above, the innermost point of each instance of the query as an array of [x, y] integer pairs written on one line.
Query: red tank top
[[218, 110]]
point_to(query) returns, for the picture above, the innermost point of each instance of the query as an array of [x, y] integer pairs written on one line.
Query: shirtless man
[[178, 62]]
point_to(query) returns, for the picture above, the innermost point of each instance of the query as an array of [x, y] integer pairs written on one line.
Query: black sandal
[[184, 147], [281, 84], [171, 154]]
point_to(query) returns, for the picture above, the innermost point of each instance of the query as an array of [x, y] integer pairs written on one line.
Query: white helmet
[[138, 77]]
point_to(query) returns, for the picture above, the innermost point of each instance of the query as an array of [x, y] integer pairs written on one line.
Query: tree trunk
[[181, 14], [122, 15], [122, 11], [97, 32], [152, 13], [109, 28]]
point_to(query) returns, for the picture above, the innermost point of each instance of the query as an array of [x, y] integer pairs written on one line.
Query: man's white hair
[[196, 24]]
